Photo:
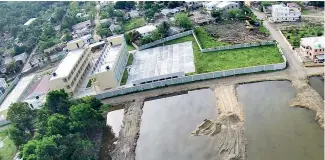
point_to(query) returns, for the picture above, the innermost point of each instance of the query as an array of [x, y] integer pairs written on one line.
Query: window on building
[[68, 86], [65, 80], [232, 6], [227, 7]]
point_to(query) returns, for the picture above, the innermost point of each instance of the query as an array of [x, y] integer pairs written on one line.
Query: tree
[[21, 116], [93, 102], [84, 119], [182, 20], [57, 124], [234, 13], [216, 14], [57, 101], [84, 150], [12, 67], [132, 36], [174, 4], [145, 40], [67, 37], [163, 29], [124, 5], [104, 32]]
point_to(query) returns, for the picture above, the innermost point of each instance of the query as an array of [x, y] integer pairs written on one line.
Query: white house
[[134, 14], [146, 30], [282, 13], [211, 5], [227, 5]]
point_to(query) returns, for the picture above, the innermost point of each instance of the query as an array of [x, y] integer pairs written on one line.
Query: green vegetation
[[125, 73], [125, 77], [130, 47], [182, 20], [134, 23], [62, 129], [230, 59], [262, 29], [206, 40], [8, 150], [305, 12], [89, 84], [294, 35]]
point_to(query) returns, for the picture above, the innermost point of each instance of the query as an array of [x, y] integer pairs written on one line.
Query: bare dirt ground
[[236, 33]]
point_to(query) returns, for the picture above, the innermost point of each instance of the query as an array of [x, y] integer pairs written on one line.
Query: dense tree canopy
[[182, 20], [124, 5], [62, 129]]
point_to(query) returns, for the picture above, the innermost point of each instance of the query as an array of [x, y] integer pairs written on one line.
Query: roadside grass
[[125, 73], [8, 150], [263, 30], [305, 12], [206, 40], [134, 23], [230, 59], [294, 35], [130, 47]]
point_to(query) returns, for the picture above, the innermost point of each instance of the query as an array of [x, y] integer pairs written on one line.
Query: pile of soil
[[236, 33]]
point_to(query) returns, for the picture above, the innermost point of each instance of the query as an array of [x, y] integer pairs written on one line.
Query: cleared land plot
[[234, 33], [134, 23], [294, 35], [230, 59], [162, 60]]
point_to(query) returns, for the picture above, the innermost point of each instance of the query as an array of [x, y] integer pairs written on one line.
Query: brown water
[[167, 123], [274, 130], [317, 83]]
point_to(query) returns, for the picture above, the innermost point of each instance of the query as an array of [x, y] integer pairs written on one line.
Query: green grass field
[[8, 150], [206, 40], [130, 47], [230, 59], [125, 73], [134, 23]]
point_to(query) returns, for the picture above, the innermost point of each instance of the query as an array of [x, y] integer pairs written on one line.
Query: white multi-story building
[[109, 67], [282, 13]]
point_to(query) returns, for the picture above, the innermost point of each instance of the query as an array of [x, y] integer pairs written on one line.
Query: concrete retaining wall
[[192, 78]]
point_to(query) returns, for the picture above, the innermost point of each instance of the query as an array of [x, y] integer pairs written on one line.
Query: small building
[[146, 30], [71, 70], [169, 12], [227, 5], [267, 10], [282, 13], [115, 27], [313, 47], [109, 67], [30, 21], [211, 5], [78, 43], [294, 5], [82, 25], [21, 58], [36, 96], [134, 14], [106, 20], [82, 15]]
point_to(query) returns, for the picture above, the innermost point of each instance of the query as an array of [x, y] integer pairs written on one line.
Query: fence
[[11, 86], [236, 46], [183, 34], [193, 78]]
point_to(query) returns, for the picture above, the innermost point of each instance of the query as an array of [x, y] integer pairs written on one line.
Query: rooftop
[[315, 42], [81, 25], [161, 61], [225, 4], [146, 29], [15, 94], [39, 88], [68, 63], [30, 21], [108, 57], [85, 37]]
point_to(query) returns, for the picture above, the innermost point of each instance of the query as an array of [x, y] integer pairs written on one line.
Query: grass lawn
[[125, 73], [230, 59], [134, 23], [206, 40], [89, 84], [305, 12], [294, 35], [130, 47], [8, 150]]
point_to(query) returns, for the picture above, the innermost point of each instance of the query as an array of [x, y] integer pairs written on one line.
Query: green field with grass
[[230, 59], [125, 73], [8, 150], [206, 40], [294, 35], [130, 47], [134, 23]]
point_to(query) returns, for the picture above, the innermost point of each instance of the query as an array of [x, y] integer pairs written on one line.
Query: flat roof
[[68, 63], [315, 42], [96, 44], [225, 4], [85, 37], [162, 60], [146, 29], [30, 21], [15, 94], [108, 57]]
